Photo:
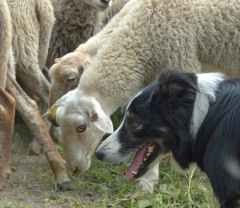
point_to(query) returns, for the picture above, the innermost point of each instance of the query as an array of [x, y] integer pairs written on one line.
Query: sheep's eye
[[81, 128], [71, 79], [134, 124]]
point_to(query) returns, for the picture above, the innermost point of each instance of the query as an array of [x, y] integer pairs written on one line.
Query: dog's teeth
[[150, 149], [134, 172]]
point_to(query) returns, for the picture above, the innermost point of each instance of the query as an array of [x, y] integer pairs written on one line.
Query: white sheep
[[145, 37], [32, 22]]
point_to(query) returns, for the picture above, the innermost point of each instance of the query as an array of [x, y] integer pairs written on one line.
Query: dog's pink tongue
[[134, 165]]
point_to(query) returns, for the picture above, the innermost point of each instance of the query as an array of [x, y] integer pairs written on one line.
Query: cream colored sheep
[[105, 16], [7, 102], [32, 22], [32, 25], [75, 23], [27, 108], [142, 39], [5, 41], [65, 73]]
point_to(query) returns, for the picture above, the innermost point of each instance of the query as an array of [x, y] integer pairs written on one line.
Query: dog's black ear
[[175, 86]]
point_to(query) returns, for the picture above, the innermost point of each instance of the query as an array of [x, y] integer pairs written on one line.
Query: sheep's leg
[[35, 83], [7, 112], [31, 115], [35, 147]]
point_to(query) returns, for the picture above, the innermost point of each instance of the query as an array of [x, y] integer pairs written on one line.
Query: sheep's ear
[[176, 86], [100, 119], [85, 64], [56, 60], [82, 66], [83, 58]]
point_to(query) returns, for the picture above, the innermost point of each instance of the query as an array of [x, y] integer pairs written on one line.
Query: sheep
[[5, 41], [65, 75], [75, 22], [104, 17], [31, 22], [142, 39], [7, 102], [32, 25]]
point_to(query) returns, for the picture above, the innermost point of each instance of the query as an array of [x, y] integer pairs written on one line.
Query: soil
[[32, 184]]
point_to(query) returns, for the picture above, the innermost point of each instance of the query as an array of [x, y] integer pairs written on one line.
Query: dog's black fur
[[164, 110]]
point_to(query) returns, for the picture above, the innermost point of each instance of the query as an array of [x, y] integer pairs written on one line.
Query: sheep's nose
[[105, 1], [99, 154]]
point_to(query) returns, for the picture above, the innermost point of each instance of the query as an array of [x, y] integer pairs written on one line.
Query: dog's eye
[[134, 124], [81, 128]]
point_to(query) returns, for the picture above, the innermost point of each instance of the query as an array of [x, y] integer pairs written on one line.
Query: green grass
[[6, 204], [108, 185], [173, 190]]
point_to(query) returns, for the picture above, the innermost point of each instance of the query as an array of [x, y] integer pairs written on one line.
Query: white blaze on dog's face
[[111, 147], [109, 150], [83, 123]]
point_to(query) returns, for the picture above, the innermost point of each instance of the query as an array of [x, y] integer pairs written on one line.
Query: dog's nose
[[99, 155]]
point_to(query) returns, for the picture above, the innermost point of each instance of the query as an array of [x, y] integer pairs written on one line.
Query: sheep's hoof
[[64, 186]]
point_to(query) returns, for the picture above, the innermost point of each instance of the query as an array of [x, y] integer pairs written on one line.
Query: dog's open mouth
[[142, 159]]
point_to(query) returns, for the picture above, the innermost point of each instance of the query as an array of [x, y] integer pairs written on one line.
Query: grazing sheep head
[[65, 74], [98, 4], [83, 123]]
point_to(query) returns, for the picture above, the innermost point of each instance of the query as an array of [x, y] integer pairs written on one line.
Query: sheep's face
[[98, 4], [65, 74], [83, 123]]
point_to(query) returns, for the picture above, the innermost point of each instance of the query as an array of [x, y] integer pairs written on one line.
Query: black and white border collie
[[194, 116]]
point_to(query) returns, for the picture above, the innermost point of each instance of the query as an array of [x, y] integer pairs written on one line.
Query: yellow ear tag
[[52, 111]]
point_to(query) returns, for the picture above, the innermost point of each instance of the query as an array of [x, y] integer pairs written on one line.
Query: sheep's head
[[65, 74], [98, 4], [83, 123]]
